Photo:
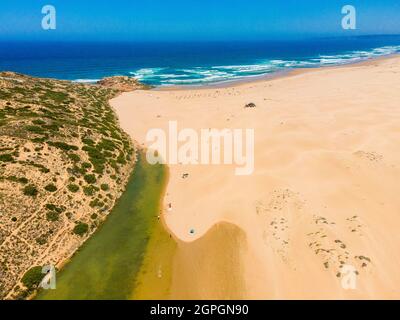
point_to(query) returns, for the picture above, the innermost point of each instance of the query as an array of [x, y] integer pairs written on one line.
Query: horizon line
[[276, 39]]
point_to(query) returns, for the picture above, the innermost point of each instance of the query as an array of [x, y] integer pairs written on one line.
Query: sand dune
[[210, 267], [324, 192]]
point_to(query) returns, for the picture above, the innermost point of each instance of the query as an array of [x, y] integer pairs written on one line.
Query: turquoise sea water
[[186, 63]]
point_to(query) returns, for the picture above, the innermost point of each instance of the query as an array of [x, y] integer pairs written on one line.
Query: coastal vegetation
[[33, 277], [63, 163]]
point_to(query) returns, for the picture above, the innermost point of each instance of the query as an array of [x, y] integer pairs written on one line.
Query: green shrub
[[35, 129], [38, 122], [50, 206], [74, 157], [40, 140], [107, 145], [41, 240], [6, 157], [105, 187], [23, 180], [121, 159], [55, 96], [96, 203], [88, 141], [62, 145], [52, 127], [52, 216], [90, 178], [81, 228], [98, 167], [73, 187], [77, 170], [51, 187], [33, 277], [30, 190], [96, 158], [86, 165], [90, 190], [53, 207]]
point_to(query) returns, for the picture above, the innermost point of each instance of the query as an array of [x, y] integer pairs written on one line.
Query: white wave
[[247, 68], [357, 55], [145, 72], [209, 79], [298, 64], [221, 73], [172, 76], [86, 80], [278, 61]]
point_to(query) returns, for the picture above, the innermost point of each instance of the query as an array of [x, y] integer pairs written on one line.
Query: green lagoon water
[[106, 266]]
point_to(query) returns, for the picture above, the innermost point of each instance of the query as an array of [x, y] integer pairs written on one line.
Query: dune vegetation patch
[[63, 163]]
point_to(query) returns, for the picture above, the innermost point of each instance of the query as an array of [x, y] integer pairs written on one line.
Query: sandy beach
[[323, 194]]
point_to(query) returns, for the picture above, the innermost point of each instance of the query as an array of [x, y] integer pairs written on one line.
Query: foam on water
[[214, 74], [187, 63], [86, 80]]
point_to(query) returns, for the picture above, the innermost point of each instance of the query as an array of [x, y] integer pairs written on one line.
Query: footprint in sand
[[370, 156], [354, 225], [334, 252], [280, 214]]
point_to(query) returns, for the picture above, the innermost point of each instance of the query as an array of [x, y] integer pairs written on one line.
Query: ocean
[[187, 63]]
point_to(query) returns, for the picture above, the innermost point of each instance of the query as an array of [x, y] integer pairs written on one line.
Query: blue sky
[[194, 19]]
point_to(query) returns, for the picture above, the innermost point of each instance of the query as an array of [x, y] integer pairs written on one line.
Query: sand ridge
[[323, 193]]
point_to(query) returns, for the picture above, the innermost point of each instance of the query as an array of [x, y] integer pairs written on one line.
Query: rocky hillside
[[63, 163], [122, 83]]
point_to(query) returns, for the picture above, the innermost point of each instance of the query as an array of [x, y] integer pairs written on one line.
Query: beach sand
[[324, 193]]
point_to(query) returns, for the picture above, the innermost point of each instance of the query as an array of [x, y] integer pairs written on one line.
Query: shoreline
[[319, 155], [270, 76], [231, 83]]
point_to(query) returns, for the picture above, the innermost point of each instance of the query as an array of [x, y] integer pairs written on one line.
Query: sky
[[152, 20]]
